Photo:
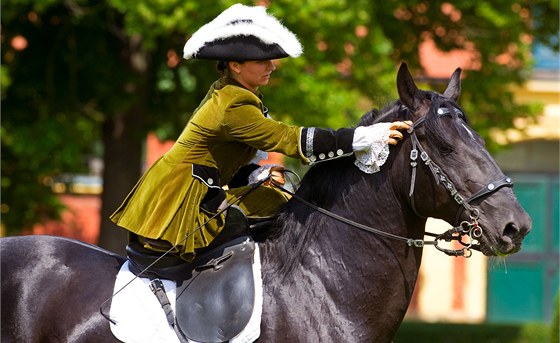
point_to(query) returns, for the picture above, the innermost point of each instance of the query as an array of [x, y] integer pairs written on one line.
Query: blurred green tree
[[82, 74]]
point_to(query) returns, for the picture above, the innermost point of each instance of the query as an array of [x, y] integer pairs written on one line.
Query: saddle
[[215, 293]]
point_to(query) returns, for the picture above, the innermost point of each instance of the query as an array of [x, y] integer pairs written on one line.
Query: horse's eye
[[446, 150]]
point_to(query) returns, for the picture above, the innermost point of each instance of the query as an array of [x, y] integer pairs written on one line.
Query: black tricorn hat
[[243, 33]]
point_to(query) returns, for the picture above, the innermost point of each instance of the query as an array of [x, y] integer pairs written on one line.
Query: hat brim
[[240, 48]]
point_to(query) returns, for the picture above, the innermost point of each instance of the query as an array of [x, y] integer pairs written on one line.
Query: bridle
[[466, 228], [470, 228]]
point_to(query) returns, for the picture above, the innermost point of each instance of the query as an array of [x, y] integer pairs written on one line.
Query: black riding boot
[[236, 226]]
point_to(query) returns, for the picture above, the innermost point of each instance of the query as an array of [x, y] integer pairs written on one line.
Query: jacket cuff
[[319, 145]]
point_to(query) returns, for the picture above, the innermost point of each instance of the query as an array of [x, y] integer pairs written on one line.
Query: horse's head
[[453, 177]]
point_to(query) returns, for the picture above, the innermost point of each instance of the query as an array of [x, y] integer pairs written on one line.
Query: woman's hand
[[394, 134], [276, 176], [272, 172]]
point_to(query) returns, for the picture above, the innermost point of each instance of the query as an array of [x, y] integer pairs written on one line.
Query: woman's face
[[252, 74]]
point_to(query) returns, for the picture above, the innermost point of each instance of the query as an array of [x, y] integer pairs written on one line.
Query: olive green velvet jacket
[[224, 133]]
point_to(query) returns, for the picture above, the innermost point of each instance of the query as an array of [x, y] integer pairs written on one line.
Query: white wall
[[450, 289]]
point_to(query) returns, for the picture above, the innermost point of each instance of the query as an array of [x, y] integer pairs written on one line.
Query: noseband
[[466, 228]]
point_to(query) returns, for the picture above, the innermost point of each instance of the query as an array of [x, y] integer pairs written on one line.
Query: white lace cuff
[[371, 146]]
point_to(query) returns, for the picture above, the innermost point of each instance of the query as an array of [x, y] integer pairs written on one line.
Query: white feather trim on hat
[[241, 20]]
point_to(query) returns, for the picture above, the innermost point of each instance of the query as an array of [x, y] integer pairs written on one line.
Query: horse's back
[[52, 289]]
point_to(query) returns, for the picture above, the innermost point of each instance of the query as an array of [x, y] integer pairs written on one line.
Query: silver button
[[313, 158], [331, 154], [339, 152], [491, 186], [210, 181], [322, 156]]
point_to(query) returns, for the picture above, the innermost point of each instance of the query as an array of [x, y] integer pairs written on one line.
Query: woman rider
[[177, 202]]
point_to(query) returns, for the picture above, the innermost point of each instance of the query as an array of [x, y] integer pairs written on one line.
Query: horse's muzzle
[[512, 236]]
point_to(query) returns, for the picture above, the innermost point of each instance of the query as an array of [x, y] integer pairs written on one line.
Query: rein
[[471, 228], [411, 242]]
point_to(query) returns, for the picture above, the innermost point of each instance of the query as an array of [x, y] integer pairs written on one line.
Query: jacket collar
[[228, 80]]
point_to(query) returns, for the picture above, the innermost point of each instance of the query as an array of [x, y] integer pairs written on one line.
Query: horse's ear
[[454, 87], [406, 87]]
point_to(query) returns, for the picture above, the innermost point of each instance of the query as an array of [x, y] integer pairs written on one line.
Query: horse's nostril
[[511, 231], [511, 238]]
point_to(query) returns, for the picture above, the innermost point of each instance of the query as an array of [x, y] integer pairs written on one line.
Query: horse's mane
[[326, 181]]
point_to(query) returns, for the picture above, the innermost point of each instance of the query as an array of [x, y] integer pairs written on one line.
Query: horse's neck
[[355, 273]]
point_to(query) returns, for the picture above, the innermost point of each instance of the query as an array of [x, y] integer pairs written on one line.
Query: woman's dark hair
[[222, 65]]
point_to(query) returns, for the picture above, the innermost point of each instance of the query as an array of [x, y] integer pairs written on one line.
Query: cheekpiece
[[243, 33]]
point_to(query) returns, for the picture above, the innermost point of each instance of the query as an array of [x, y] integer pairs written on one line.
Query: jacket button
[[312, 158], [321, 156], [339, 152], [331, 154], [210, 181]]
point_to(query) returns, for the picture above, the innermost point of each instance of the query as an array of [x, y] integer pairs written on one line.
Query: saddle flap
[[217, 302]]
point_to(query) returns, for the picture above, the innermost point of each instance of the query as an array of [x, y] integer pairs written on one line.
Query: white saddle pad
[[139, 318]]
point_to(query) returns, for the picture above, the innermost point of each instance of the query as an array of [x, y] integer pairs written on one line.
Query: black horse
[[343, 260]]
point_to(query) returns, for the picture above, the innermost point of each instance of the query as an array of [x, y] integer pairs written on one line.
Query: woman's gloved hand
[[275, 171]]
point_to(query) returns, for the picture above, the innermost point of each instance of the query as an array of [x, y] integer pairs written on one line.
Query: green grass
[[416, 332]]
